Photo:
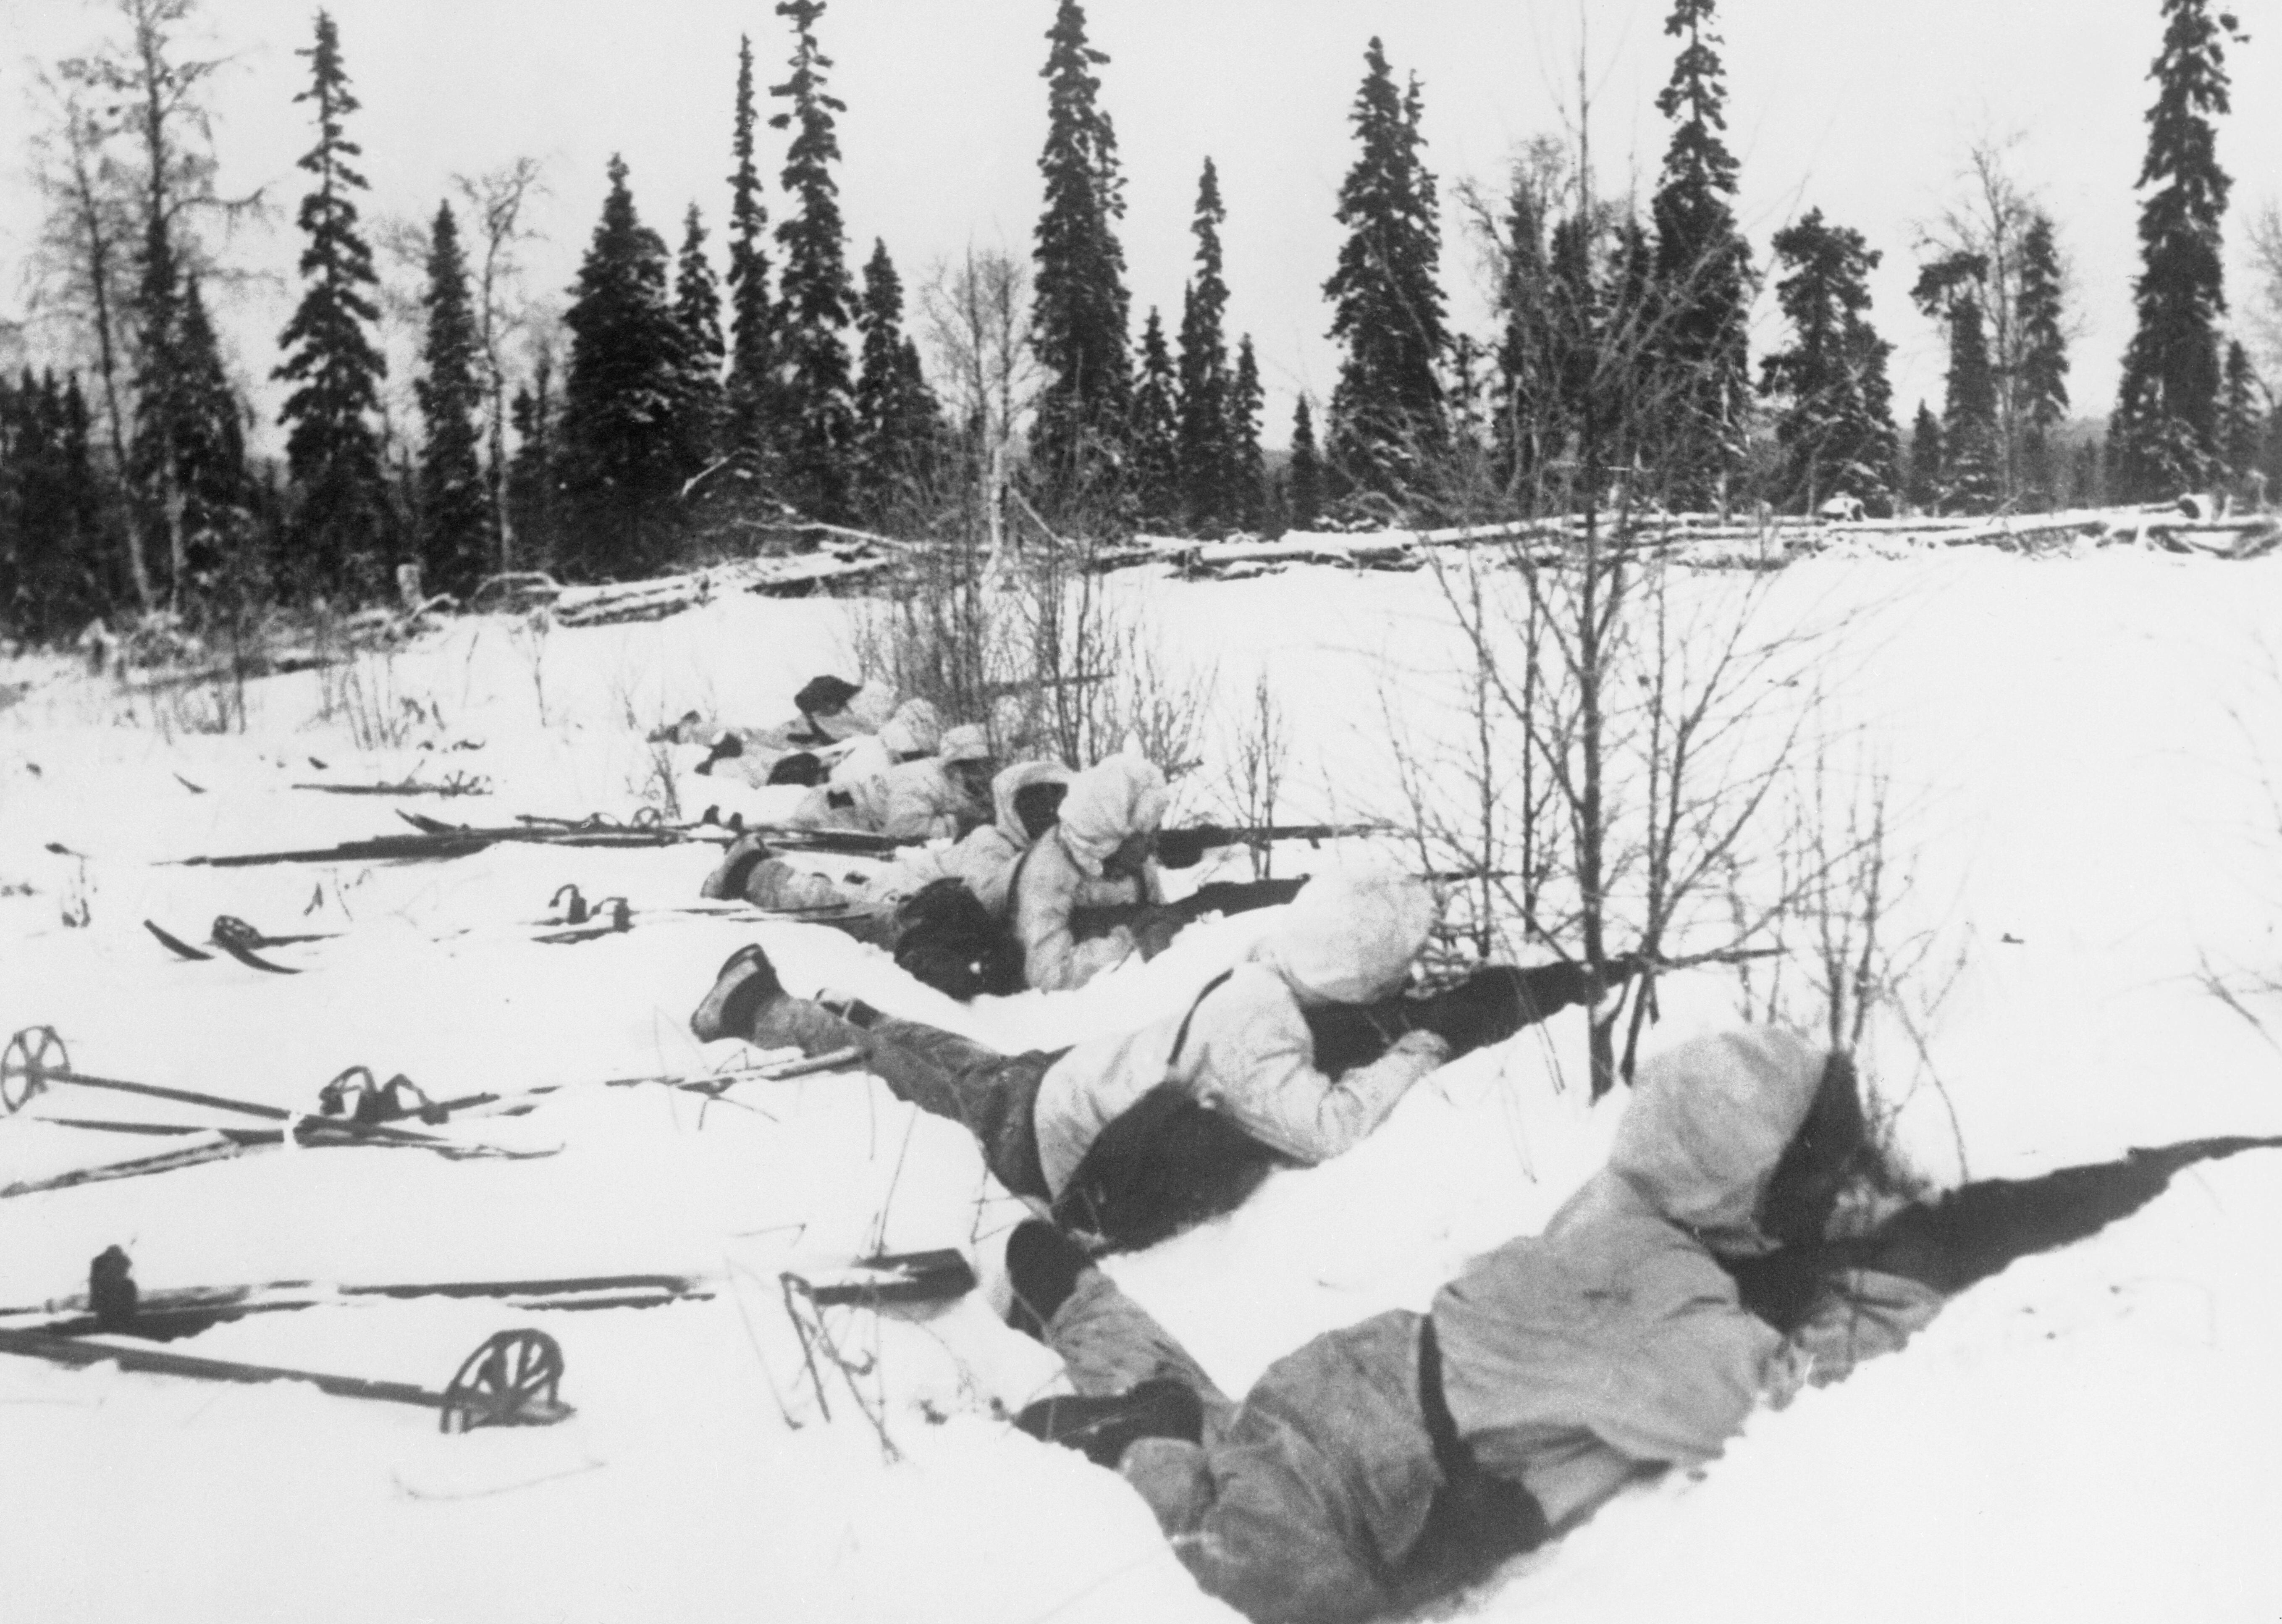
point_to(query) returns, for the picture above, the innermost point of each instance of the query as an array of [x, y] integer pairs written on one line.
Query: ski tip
[[174, 944]]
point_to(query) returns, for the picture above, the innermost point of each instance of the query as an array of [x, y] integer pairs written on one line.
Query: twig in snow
[[752, 1336], [410, 1493]]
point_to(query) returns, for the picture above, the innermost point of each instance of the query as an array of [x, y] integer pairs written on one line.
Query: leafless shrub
[[1254, 762], [1036, 651], [1841, 900], [531, 634]]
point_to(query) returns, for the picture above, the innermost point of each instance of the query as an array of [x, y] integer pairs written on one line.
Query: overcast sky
[[1865, 111]]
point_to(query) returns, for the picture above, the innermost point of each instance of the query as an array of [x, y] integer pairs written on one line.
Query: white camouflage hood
[[1109, 801], [1011, 782], [1351, 939], [1707, 1123]]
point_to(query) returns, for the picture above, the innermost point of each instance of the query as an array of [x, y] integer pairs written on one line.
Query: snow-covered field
[[2075, 746]]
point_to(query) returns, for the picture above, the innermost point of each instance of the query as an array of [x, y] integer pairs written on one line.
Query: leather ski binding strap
[[377, 1102]]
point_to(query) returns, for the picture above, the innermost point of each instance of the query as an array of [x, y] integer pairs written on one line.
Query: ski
[[512, 1380], [163, 1316], [252, 960], [176, 945]]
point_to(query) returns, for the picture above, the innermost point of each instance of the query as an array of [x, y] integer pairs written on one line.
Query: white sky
[[1863, 109]]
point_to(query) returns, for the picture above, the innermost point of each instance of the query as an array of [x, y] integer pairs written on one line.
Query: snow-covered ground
[[2076, 750]]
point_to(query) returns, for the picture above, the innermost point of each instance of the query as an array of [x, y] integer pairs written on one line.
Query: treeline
[[671, 413]]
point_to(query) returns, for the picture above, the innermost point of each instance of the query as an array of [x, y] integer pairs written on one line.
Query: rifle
[[1030, 685], [1185, 848], [1158, 921], [1660, 965]]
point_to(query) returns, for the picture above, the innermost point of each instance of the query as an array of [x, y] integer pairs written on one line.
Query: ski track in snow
[[2075, 748]]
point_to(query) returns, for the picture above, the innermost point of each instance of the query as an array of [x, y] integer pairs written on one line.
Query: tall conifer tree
[[1524, 423], [54, 574], [1247, 470], [161, 397], [897, 418], [1836, 427], [818, 429], [2040, 389], [1305, 501], [1949, 290], [1205, 429], [331, 447], [698, 308], [1387, 411], [1922, 486], [209, 448], [532, 475], [752, 383], [1081, 304], [1702, 271], [455, 509], [1155, 436], [2163, 436], [622, 446], [2241, 415]]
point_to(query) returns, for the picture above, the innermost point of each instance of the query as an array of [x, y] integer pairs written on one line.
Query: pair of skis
[[579, 921], [35, 1062], [512, 1379], [240, 941], [355, 1108]]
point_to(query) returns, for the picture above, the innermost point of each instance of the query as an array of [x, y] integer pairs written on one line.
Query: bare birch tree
[[496, 200]]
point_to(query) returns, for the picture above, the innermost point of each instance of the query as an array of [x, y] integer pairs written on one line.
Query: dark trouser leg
[[1110, 1344], [993, 1095]]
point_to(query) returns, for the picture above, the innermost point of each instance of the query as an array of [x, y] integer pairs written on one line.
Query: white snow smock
[[1107, 804], [984, 861], [916, 800], [1248, 1053], [1615, 1343]]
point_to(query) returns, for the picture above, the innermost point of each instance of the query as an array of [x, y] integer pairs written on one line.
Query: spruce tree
[[1080, 304], [1698, 345], [1922, 486], [2040, 387], [1524, 423], [1573, 320], [1948, 290], [620, 467], [1204, 429], [896, 417], [1154, 437], [1305, 503], [817, 433], [152, 453], [331, 447], [532, 477], [924, 431], [1247, 470], [456, 509], [1835, 428], [54, 574], [2091, 475], [752, 383], [698, 308], [22, 455], [2088, 475], [1387, 411], [209, 449], [2241, 415], [2164, 434]]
